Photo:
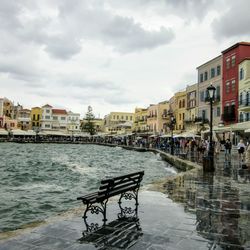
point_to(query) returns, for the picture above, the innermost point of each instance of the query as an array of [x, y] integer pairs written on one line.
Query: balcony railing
[[228, 117], [244, 103], [216, 99], [201, 120]]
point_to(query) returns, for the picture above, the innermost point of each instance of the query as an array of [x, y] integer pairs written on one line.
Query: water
[[42, 180]]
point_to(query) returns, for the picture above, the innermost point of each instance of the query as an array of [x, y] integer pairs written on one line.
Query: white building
[[73, 122], [46, 121]]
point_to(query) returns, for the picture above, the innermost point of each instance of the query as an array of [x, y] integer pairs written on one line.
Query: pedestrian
[[228, 147], [241, 149]]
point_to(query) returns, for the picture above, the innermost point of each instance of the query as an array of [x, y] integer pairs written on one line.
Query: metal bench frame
[[127, 186]]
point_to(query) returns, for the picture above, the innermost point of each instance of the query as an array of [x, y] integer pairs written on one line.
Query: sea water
[[38, 181]]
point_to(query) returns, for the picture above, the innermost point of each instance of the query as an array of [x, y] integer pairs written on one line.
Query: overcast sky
[[114, 55]]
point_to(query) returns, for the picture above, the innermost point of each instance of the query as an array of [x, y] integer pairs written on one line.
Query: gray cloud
[[62, 35], [235, 22]]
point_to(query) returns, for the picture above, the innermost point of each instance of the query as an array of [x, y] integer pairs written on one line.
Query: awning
[[242, 126], [57, 133], [247, 130]]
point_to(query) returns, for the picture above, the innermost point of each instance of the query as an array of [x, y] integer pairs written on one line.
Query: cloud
[[234, 22], [63, 32]]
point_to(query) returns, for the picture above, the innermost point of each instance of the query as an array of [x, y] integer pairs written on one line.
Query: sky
[[113, 55]]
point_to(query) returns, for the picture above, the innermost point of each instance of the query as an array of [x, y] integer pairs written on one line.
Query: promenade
[[193, 210]]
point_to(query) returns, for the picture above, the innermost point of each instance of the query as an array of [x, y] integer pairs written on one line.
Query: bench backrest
[[120, 184]]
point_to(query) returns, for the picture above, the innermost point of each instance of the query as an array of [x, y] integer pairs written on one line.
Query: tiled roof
[[59, 111], [47, 106]]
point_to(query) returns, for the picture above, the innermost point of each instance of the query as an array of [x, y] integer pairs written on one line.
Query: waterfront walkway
[[193, 211]]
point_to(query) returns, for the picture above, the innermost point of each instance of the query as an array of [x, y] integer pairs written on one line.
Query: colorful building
[[36, 116], [244, 90], [115, 122], [191, 108], [23, 119], [231, 58], [180, 109], [209, 73], [140, 120], [157, 117]]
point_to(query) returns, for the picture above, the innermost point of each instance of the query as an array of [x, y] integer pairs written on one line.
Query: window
[[47, 117], [126, 117], [122, 117], [203, 114], [183, 103], [233, 86], [117, 117], [247, 117], [233, 61], [114, 117], [212, 72], [241, 74], [38, 117], [179, 104], [218, 70], [241, 99], [205, 76], [55, 118], [33, 124], [183, 116], [241, 117], [201, 77], [218, 111], [228, 63], [63, 118], [47, 111], [202, 96], [47, 125], [131, 118], [217, 93], [227, 87], [34, 117], [180, 117]]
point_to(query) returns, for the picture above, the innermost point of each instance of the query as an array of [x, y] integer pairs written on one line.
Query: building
[[231, 58], [244, 90], [23, 119], [209, 73], [47, 117], [59, 119], [115, 121], [140, 120], [191, 108], [35, 117], [73, 122], [180, 109], [157, 117], [98, 124]]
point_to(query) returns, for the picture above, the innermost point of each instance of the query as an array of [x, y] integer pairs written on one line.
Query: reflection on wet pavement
[[220, 201]]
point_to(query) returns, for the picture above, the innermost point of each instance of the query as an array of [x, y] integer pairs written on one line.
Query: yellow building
[[140, 120], [244, 91], [191, 109], [158, 118], [118, 122], [98, 124], [180, 105], [36, 116]]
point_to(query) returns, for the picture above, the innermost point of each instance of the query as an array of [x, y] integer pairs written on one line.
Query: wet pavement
[[198, 211]]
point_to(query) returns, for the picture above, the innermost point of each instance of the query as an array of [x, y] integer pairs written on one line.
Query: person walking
[[241, 149], [228, 147]]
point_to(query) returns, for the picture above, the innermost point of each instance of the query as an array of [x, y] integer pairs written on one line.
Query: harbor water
[[39, 181]]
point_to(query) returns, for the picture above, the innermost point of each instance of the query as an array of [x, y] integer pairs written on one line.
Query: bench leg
[[96, 209], [128, 210]]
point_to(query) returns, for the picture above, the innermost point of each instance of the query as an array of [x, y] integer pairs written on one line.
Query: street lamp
[[172, 123], [211, 94]]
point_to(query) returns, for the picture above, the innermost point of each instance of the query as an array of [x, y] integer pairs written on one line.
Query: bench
[[127, 186]]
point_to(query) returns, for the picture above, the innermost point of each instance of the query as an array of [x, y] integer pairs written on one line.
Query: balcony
[[201, 120], [229, 117], [244, 104], [189, 120], [216, 99]]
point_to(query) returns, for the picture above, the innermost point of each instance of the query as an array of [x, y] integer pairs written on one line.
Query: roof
[[213, 59], [244, 59], [59, 111], [235, 46], [47, 106]]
